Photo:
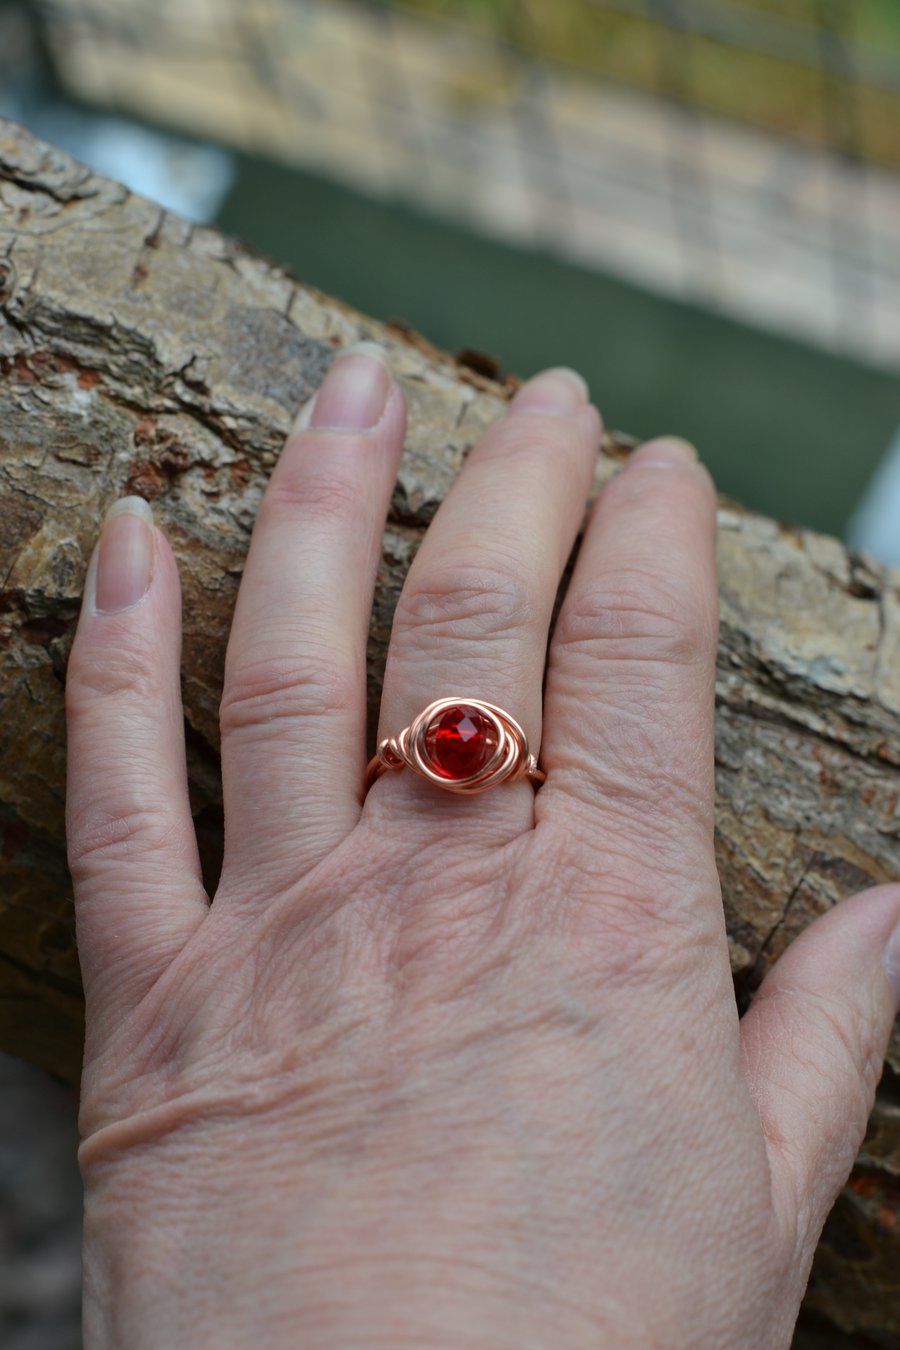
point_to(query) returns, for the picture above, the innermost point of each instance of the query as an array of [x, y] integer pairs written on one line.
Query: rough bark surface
[[141, 353]]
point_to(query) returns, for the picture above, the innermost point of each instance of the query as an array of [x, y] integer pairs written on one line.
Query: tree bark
[[140, 353]]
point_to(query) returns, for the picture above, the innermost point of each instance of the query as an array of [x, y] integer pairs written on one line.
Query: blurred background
[[695, 202]]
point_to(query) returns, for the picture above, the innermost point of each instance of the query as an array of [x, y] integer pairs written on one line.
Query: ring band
[[462, 744]]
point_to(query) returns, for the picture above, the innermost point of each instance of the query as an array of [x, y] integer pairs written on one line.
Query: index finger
[[629, 706]]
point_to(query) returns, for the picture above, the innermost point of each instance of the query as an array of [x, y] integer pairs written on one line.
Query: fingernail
[[666, 452], [354, 393], [559, 392], [892, 963], [124, 556]]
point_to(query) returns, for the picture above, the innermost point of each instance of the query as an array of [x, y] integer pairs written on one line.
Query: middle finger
[[473, 616]]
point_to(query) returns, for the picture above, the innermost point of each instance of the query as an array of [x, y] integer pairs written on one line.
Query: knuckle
[[634, 615], [299, 687], [126, 668], [480, 601], [537, 439], [101, 834], [326, 495]]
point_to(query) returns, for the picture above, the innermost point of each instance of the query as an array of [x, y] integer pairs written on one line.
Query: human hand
[[433, 1069]]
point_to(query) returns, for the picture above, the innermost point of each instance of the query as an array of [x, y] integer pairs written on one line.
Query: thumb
[[813, 1045]]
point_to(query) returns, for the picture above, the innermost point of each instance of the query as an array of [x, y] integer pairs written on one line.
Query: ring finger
[[474, 613], [293, 711]]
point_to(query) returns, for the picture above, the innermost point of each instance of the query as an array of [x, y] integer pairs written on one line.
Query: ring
[[462, 744]]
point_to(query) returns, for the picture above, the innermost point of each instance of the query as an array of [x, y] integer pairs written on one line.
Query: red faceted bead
[[460, 741]]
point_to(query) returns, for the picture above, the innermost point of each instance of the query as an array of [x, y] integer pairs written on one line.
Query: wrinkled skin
[[433, 1069]]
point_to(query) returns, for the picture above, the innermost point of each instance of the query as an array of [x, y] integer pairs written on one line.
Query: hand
[[444, 1070]]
